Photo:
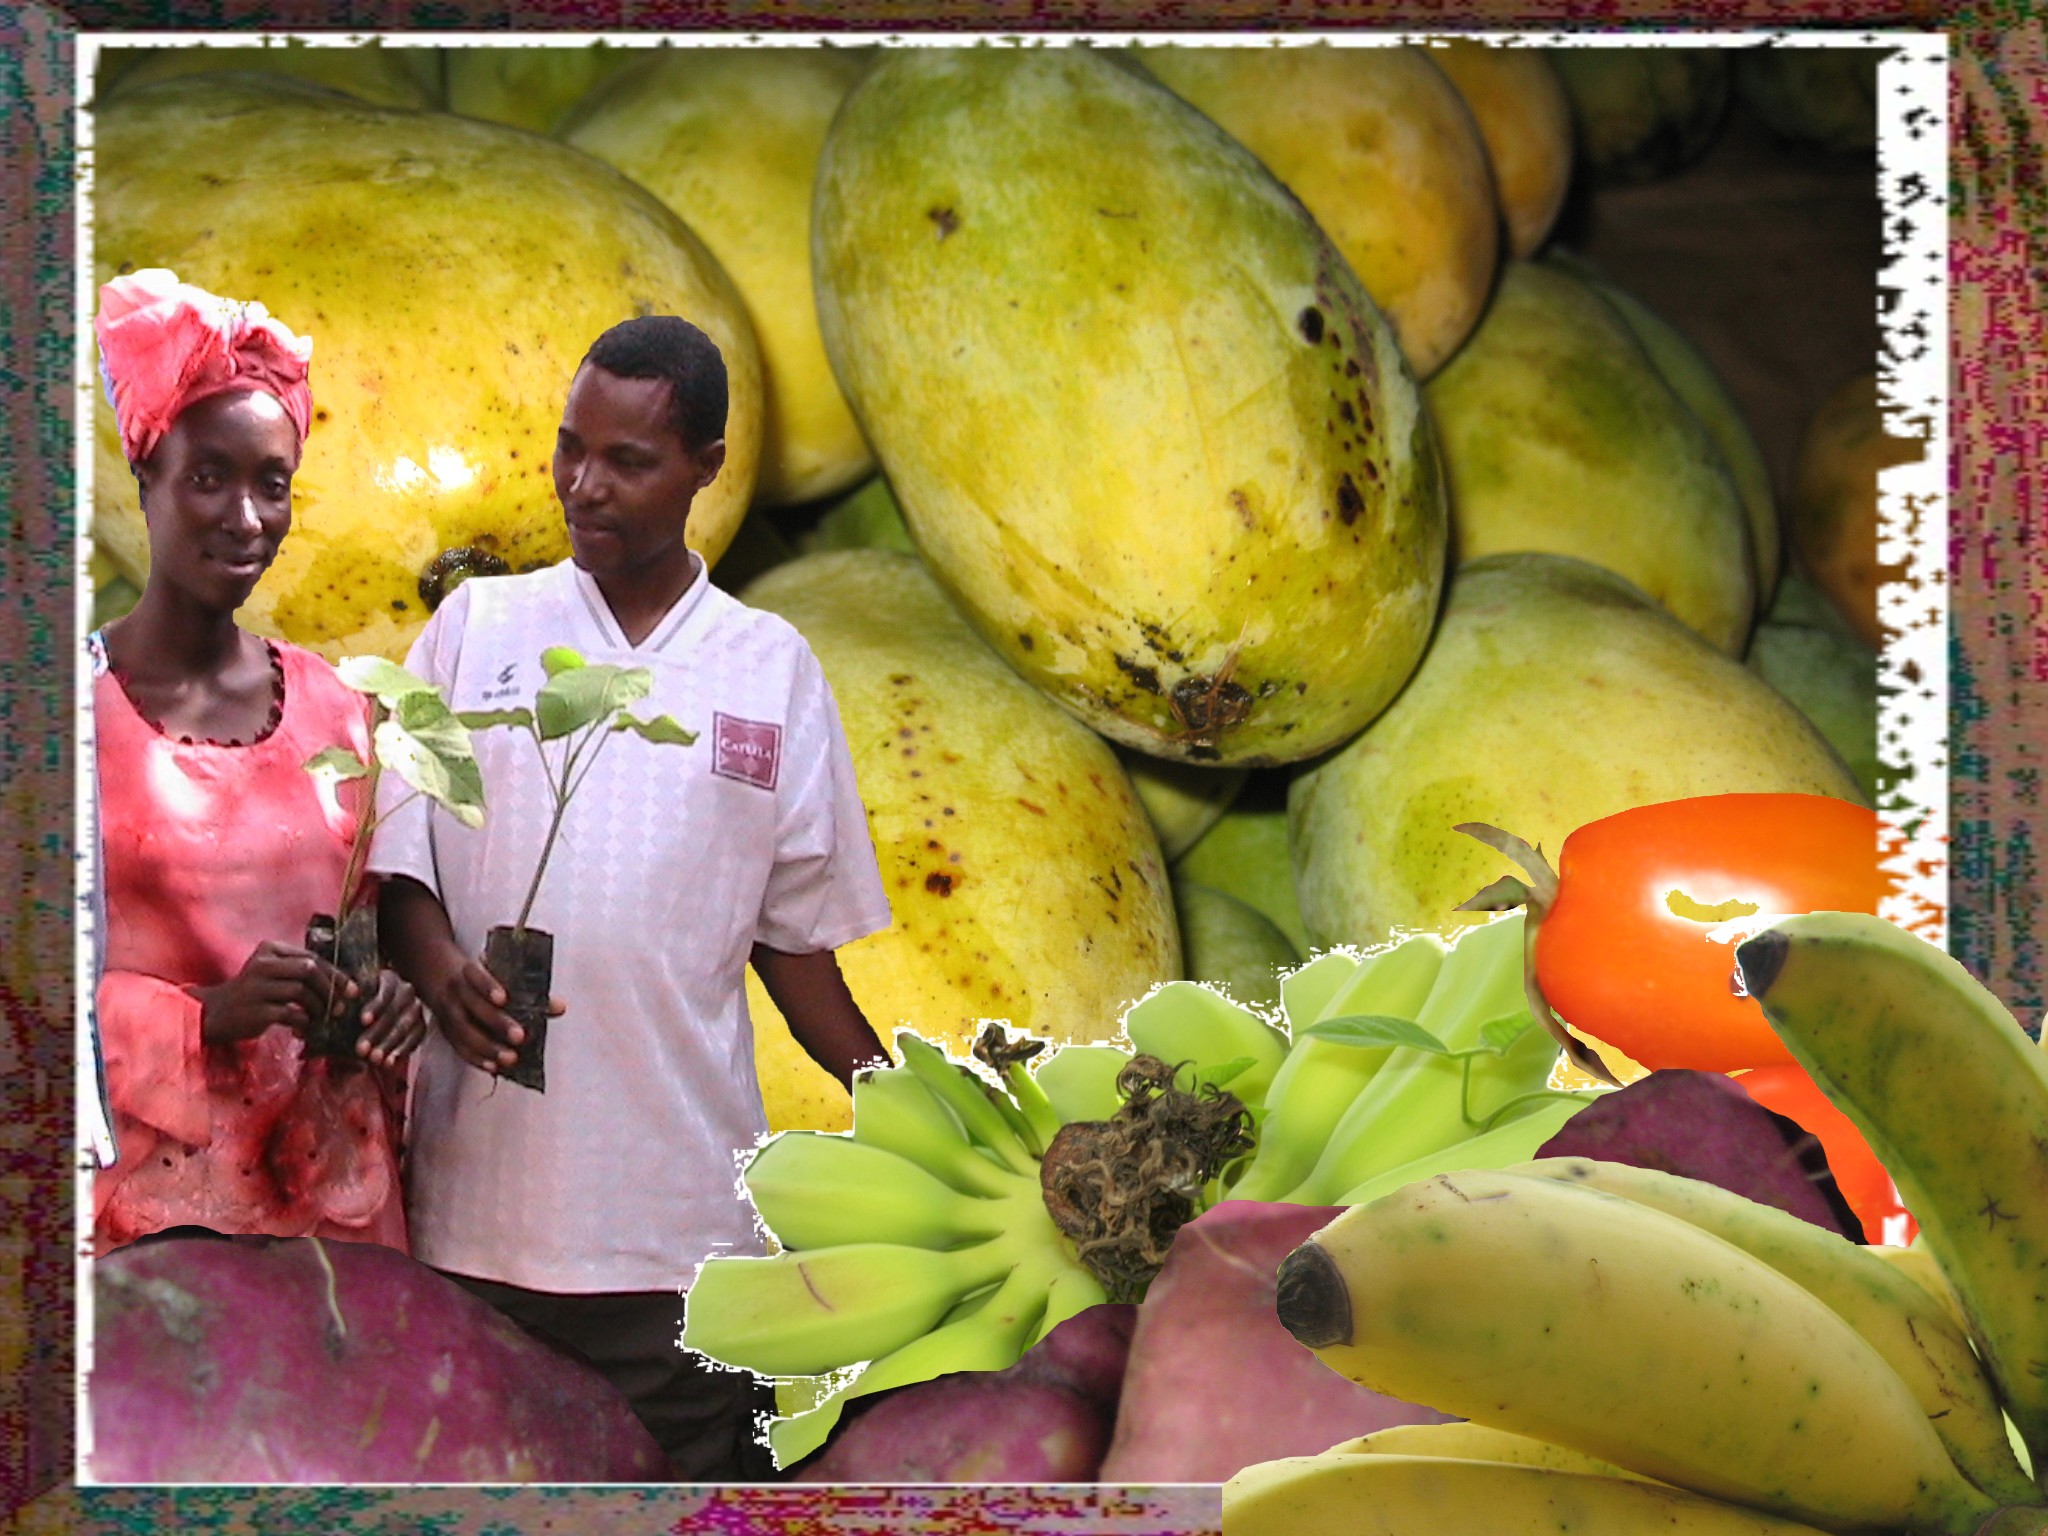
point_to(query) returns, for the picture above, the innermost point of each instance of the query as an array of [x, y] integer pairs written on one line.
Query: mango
[[1641, 113], [1824, 97], [1554, 694], [864, 518], [729, 138], [534, 86], [1245, 855], [1387, 156], [1231, 945], [1831, 515], [451, 274], [1525, 118], [1805, 651], [384, 77], [1024, 880], [1143, 422], [1560, 434], [1183, 800], [1693, 379]]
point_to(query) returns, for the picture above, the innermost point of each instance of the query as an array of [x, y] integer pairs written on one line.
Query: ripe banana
[[1393, 1495], [1915, 1262], [1412, 1106], [1320, 1078], [1908, 1327], [1628, 1335], [1187, 1025], [1953, 1098], [1463, 1440], [820, 1191]]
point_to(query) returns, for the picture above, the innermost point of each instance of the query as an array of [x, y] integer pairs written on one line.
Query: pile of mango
[[1202, 474]]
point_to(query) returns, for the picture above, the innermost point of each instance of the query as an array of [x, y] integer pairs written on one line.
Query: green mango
[[1826, 97], [865, 518], [1554, 694], [1183, 799], [1143, 422], [1641, 113], [1560, 435], [1231, 945], [729, 138], [1807, 652], [384, 77], [451, 274], [1024, 880], [532, 85], [1245, 855]]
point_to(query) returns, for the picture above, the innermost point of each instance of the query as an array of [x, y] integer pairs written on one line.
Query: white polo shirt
[[672, 863]]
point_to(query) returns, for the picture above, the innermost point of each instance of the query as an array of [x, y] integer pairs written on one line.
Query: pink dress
[[208, 850]]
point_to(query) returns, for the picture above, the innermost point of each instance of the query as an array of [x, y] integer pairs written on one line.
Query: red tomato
[[1788, 1091], [1628, 951]]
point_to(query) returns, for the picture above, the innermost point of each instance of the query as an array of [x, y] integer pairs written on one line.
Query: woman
[[217, 844]]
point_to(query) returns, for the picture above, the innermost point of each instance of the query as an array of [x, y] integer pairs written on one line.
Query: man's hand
[[821, 1013], [394, 1021], [277, 984], [468, 1005]]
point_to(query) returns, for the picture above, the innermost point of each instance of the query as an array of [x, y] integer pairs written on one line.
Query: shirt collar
[[665, 629]]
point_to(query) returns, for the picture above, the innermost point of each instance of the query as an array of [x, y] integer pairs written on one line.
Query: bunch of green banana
[[1602, 1325], [1418, 1059]]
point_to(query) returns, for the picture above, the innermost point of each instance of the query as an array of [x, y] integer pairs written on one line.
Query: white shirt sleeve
[[403, 843], [825, 888]]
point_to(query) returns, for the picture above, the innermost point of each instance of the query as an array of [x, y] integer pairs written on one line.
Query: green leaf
[[1216, 1077], [1498, 1034], [485, 719], [385, 680], [664, 729], [582, 696], [557, 659], [337, 765], [1377, 1029], [429, 748]]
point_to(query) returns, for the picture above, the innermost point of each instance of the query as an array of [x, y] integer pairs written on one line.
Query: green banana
[[1187, 1025], [958, 1088], [821, 1191], [1395, 1495], [1414, 1104], [801, 1312], [1305, 992], [1952, 1097], [1319, 1079], [894, 1111], [1894, 1315], [1080, 1080], [1517, 1138], [1615, 1330]]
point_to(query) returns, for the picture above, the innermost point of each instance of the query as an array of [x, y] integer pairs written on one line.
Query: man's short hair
[[669, 347]]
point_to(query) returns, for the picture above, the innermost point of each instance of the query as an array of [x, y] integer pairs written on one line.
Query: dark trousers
[[702, 1416]]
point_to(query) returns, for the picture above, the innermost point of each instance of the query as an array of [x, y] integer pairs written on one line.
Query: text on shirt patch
[[747, 750], [507, 687]]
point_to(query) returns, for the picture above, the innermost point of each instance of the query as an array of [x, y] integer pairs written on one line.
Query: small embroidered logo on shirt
[[747, 750]]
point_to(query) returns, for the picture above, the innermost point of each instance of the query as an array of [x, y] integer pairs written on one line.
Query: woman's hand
[[394, 1022], [277, 984]]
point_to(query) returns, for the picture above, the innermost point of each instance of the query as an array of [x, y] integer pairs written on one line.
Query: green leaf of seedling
[[1498, 1034], [663, 729], [557, 659], [385, 680], [336, 765], [1377, 1029], [429, 748], [486, 719], [582, 696]]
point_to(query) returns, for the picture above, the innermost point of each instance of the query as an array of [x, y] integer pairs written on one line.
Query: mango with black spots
[[451, 274], [1024, 879], [1142, 420]]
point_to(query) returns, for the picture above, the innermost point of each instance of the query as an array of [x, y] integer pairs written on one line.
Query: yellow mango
[[1525, 118]]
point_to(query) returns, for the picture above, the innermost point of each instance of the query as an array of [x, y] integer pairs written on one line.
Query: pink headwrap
[[166, 344]]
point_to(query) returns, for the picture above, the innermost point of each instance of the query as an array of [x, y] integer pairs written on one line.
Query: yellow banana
[[803, 1312], [1443, 1496], [816, 1190], [1920, 1266], [1185, 1024], [1626, 1334], [1952, 1097], [894, 1111], [1466, 1441], [1906, 1326], [1320, 1078]]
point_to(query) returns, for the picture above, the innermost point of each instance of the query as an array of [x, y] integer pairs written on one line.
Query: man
[[584, 1210]]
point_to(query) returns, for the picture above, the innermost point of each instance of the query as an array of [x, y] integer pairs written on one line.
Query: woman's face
[[217, 497]]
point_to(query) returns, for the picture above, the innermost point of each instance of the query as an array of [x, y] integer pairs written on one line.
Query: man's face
[[624, 477]]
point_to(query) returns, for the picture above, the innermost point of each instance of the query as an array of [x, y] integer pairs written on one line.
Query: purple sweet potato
[[1214, 1382], [1703, 1126], [1046, 1419], [296, 1360]]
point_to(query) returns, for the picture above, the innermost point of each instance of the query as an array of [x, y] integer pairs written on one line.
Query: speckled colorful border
[[1997, 656]]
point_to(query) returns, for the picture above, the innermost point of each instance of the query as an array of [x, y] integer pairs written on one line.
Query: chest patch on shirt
[[747, 750]]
